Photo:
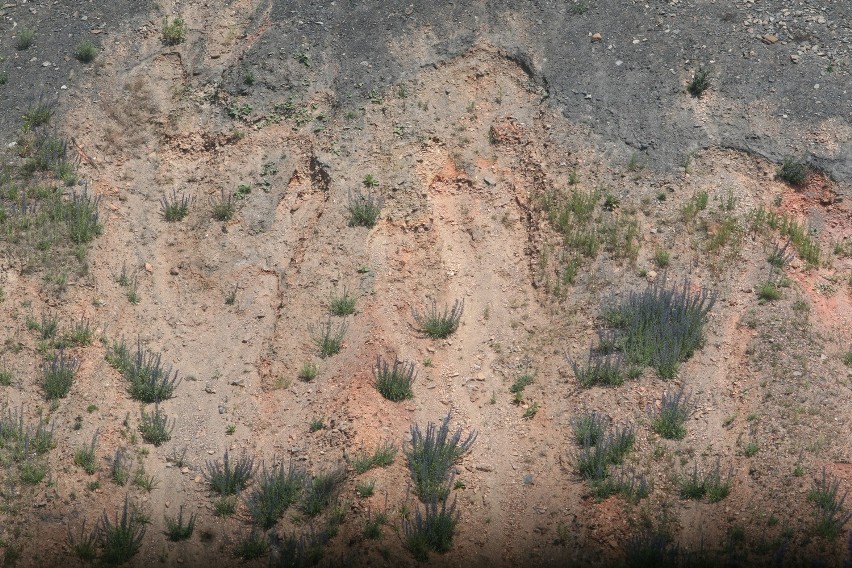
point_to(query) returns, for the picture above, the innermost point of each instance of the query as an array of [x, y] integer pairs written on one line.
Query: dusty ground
[[468, 116]]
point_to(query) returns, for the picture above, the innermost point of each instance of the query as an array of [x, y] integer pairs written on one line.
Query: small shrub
[[669, 420], [439, 325], [321, 491], [86, 546], [225, 507], [155, 427], [603, 371], [80, 335], [252, 546], [176, 530], [431, 457], [149, 381], [32, 472], [589, 428], [86, 52], [85, 456], [662, 258], [711, 485], [120, 469], [25, 39], [175, 208], [830, 513], [308, 371], [700, 83], [793, 171], [37, 115], [276, 491], [373, 526], [226, 478], [521, 383], [315, 425], [58, 376], [370, 181], [627, 483], [394, 383], [5, 378], [223, 207], [329, 339], [751, 448], [768, 292], [121, 540], [364, 209], [365, 490], [145, 481], [4, 76], [593, 461], [382, 457], [174, 32], [432, 529], [343, 305]]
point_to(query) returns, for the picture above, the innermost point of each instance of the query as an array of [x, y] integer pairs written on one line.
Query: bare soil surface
[[475, 123]]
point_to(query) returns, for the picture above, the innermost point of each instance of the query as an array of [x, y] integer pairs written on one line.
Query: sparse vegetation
[[149, 381], [228, 478], [662, 258], [308, 371], [343, 304], [431, 457], [593, 461], [85, 456], [86, 52], [432, 529], [120, 540], [712, 485], [799, 235], [254, 545], [589, 428], [668, 421], [175, 208], [316, 425], [364, 209], [830, 513], [365, 489], [223, 207], [394, 383], [277, 489], [321, 491], [768, 292], [600, 371], [383, 456], [176, 530], [58, 375], [174, 32], [439, 325], [120, 468], [155, 427], [793, 171], [329, 338]]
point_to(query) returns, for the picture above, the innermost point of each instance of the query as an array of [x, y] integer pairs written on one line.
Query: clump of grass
[[25, 39], [32, 471], [830, 513], [120, 468], [86, 546], [589, 428], [661, 327], [662, 258], [174, 32], [85, 456], [394, 383], [149, 380], [145, 481], [308, 371], [252, 546], [793, 171], [431, 457], [120, 540], [382, 457], [155, 427], [315, 425], [5, 378], [768, 292], [276, 491], [329, 338], [674, 409], [437, 324], [700, 83], [322, 491], [175, 208], [176, 530], [712, 485], [86, 52], [601, 371], [799, 235], [39, 114], [342, 305], [226, 478], [364, 209], [58, 376], [432, 529], [373, 526], [365, 489], [593, 461], [23, 441], [225, 507], [223, 207], [519, 385], [628, 483], [80, 334]]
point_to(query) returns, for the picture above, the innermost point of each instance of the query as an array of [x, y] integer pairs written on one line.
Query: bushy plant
[[26, 37], [364, 209], [120, 540], [589, 428], [711, 485], [343, 304], [174, 32], [276, 490], [394, 383], [120, 467], [593, 461], [321, 491], [793, 171], [830, 513], [668, 421], [85, 456], [437, 324], [329, 338], [431, 457], [605, 370], [175, 208], [700, 83], [254, 545], [86, 52], [155, 426], [176, 530], [308, 371], [149, 380], [432, 529], [58, 375], [223, 208], [226, 478]]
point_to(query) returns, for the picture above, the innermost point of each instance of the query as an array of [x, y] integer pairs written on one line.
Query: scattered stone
[[149, 268], [596, 37], [484, 467], [770, 39], [174, 271]]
